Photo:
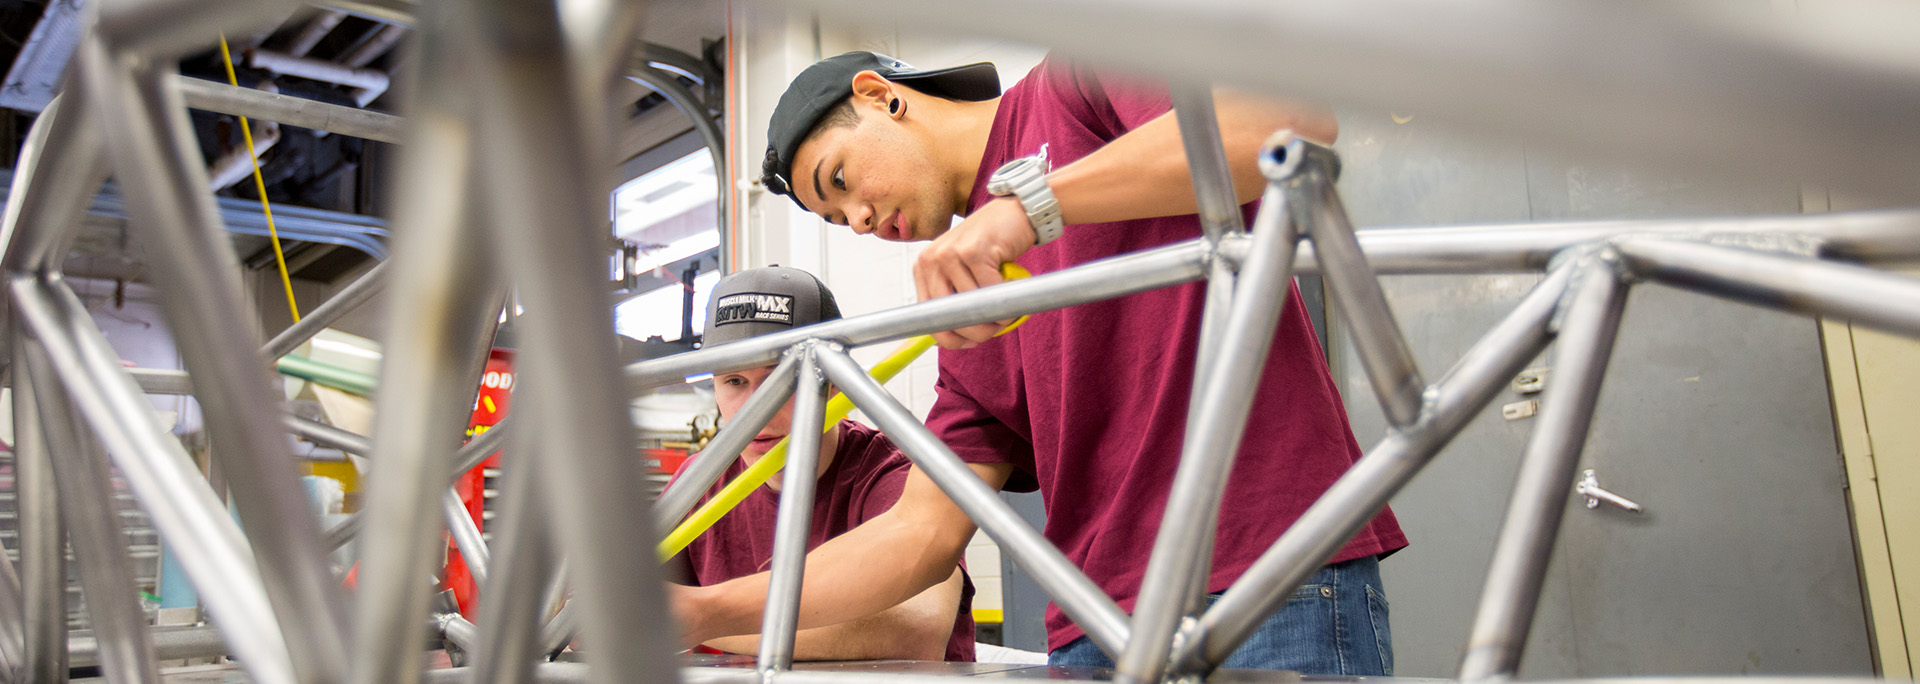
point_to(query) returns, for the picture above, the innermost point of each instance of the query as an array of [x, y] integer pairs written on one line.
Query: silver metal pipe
[[379, 44], [169, 643], [1874, 237], [781, 620], [568, 673], [1216, 423], [192, 263], [1360, 494], [168, 28], [261, 105], [317, 28], [13, 628], [93, 526], [1734, 89], [367, 84], [1545, 480], [510, 607], [559, 631], [462, 634], [1077, 596], [162, 381], [1213, 188], [1790, 283], [466, 536], [1352, 284], [545, 164], [706, 467], [479, 449], [190, 517], [61, 167], [327, 435], [438, 277], [1104, 279], [663, 83], [43, 532]]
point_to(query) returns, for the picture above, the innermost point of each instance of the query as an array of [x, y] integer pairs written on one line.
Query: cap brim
[[972, 82]]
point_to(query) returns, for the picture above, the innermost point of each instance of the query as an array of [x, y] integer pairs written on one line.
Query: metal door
[[1714, 417]]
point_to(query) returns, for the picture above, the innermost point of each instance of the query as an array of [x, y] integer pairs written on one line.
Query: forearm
[[917, 629], [1144, 174], [844, 580]]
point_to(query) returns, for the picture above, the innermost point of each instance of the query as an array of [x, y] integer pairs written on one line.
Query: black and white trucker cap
[[758, 301]]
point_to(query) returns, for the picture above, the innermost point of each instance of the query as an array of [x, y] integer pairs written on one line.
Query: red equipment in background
[[495, 396]]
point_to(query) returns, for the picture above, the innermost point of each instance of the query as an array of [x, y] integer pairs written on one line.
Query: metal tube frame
[[280, 614], [781, 619], [1520, 555]]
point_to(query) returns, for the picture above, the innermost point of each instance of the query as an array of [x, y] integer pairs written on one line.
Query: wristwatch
[[1026, 180]]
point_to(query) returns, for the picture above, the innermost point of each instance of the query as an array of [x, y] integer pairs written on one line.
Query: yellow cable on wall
[[260, 184]]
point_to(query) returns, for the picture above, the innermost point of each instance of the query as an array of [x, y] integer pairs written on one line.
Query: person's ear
[[871, 90]]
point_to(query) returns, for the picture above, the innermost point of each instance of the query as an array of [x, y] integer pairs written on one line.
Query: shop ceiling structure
[[504, 175]]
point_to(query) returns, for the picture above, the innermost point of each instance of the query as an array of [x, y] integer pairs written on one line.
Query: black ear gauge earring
[[894, 106]]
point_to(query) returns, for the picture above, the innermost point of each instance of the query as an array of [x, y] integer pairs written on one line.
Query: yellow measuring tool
[[837, 409]]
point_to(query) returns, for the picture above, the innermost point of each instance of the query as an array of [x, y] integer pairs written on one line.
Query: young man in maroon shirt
[[1087, 404], [861, 475]]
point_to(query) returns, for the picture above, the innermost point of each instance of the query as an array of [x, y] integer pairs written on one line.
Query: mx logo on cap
[[754, 307]]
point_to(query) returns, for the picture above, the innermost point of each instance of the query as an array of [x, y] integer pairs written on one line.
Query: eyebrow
[[817, 190]]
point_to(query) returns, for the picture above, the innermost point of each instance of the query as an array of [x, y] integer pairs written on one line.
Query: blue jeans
[[1335, 624]]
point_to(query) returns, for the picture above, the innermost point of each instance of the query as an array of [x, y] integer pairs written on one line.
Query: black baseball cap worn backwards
[[771, 299], [823, 85]]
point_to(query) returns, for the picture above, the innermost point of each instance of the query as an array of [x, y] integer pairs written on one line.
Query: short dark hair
[[840, 115]]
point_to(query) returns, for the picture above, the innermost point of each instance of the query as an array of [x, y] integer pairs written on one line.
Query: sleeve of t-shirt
[[1122, 101], [884, 489], [974, 434]]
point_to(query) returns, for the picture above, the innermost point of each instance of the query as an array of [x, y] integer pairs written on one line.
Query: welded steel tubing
[[13, 631], [1104, 279], [546, 118], [510, 606], [168, 28], [61, 167], [1726, 88], [162, 381], [1213, 188], [545, 673], [327, 435], [169, 643], [1791, 283], [43, 533], [462, 634], [467, 458], [439, 261], [1351, 283], [93, 527], [1077, 596], [1545, 482], [261, 105], [1222, 401], [781, 619], [668, 87], [1359, 495], [466, 536], [559, 631], [706, 467], [192, 520], [1875, 237], [192, 262], [361, 290]]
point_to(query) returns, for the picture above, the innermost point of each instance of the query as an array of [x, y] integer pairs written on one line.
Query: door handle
[[1590, 487]]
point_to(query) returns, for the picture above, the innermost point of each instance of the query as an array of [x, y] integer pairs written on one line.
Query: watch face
[[998, 183]]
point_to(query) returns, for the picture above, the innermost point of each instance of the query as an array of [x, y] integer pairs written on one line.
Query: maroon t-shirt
[[865, 479], [1089, 403]]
